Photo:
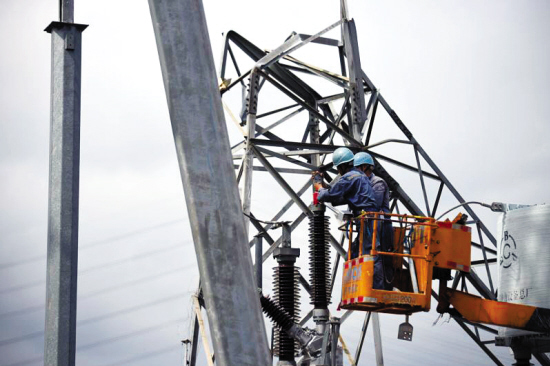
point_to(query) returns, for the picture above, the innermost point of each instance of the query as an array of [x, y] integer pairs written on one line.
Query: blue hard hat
[[362, 158], [342, 155]]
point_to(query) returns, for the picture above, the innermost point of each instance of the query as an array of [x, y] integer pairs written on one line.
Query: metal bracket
[[69, 41], [405, 330]]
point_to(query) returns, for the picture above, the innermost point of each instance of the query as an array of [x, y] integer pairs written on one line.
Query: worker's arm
[[335, 194], [326, 195]]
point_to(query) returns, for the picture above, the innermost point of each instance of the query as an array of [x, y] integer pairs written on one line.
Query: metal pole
[[326, 334], [200, 322], [335, 332], [202, 145], [194, 342], [357, 96], [62, 265], [481, 345], [258, 263], [305, 209], [314, 138], [377, 339], [422, 182], [362, 336], [344, 9], [248, 157], [66, 11], [346, 350]]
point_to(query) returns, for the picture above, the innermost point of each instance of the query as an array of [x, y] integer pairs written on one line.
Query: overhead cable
[[92, 269], [25, 337], [93, 244], [102, 291]]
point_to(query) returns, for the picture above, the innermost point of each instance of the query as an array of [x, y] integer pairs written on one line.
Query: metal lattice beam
[[341, 119]]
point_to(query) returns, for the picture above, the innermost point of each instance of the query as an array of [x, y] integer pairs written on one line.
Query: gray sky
[[468, 78]]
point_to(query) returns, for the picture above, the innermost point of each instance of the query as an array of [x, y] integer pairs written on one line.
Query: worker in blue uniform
[[365, 163], [354, 189]]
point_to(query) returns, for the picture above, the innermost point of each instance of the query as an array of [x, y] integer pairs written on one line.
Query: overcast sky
[[469, 78]]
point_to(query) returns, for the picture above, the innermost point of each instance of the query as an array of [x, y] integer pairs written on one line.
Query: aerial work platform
[[423, 249], [420, 245]]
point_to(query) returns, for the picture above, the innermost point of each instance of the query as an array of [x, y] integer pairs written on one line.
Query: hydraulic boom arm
[[478, 310]]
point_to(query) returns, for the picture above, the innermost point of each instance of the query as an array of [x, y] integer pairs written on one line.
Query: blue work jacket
[[381, 193], [354, 189]]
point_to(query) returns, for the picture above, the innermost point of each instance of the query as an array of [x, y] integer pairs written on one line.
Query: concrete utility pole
[[215, 213], [60, 328]]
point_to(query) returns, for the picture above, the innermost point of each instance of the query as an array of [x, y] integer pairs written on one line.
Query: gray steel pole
[[194, 342], [258, 262], [248, 157], [377, 339], [335, 333], [202, 145], [357, 95], [62, 265], [66, 11], [362, 337], [314, 138]]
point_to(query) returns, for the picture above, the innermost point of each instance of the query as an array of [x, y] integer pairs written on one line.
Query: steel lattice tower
[[343, 118]]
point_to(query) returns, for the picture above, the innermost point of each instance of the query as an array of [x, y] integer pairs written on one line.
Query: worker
[[365, 163], [353, 188]]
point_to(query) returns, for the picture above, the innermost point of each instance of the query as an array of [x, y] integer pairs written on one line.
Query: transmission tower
[[326, 109]]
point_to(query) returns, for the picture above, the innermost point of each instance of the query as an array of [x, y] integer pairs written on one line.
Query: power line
[[144, 355], [130, 309], [131, 233], [21, 338], [27, 362], [31, 309], [26, 310], [94, 319], [129, 259], [128, 335], [112, 288], [91, 269], [94, 244], [106, 340], [22, 287], [136, 282]]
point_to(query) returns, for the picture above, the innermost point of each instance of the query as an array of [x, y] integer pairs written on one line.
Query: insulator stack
[[319, 258], [276, 313], [287, 295]]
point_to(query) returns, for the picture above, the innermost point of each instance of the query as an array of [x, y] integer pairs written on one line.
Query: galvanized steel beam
[[63, 197], [312, 110], [377, 339], [475, 339], [357, 96], [66, 11], [362, 336], [305, 209], [218, 227], [194, 342], [430, 162]]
